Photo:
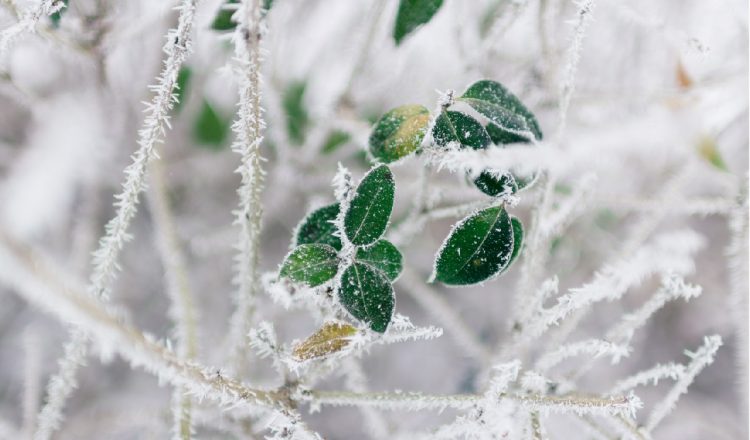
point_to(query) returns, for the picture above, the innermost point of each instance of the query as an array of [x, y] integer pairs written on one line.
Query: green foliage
[[382, 255], [478, 248], [297, 118], [181, 89], [461, 129], [399, 132], [367, 294], [412, 14], [210, 128], [223, 20], [517, 239], [492, 184], [311, 264], [317, 227], [367, 217], [501, 107], [335, 139], [56, 16]]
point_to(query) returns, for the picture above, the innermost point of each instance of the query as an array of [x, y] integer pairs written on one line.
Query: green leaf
[[399, 132], [223, 20], [210, 129], [334, 140], [461, 129], [517, 240], [56, 16], [709, 151], [492, 184], [317, 227], [311, 264], [412, 14], [367, 217], [501, 107], [297, 118], [331, 338], [367, 294], [382, 255], [477, 249], [181, 89], [503, 137]]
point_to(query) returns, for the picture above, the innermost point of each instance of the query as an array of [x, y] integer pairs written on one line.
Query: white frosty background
[[658, 85]]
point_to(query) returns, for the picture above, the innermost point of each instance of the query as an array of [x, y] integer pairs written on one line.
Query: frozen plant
[[393, 220]]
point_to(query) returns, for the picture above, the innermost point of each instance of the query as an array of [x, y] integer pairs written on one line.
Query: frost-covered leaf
[[503, 137], [311, 264], [478, 248], [461, 129], [412, 14], [210, 128], [367, 217], [493, 185], [367, 294], [517, 240], [331, 338], [501, 107], [382, 255], [318, 227], [56, 16], [223, 20], [297, 118], [399, 132], [709, 151]]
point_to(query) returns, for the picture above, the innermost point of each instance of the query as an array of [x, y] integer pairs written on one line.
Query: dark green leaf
[[334, 140], [503, 137], [311, 264], [56, 16], [461, 129], [223, 20], [382, 255], [367, 217], [478, 248], [210, 128], [399, 132], [493, 184], [297, 119], [367, 294], [517, 239], [317, 227], [501, 107], [267, 5], [181, 88], [412, 14]]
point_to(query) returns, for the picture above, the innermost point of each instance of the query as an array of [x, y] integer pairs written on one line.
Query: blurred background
[[659, 114]]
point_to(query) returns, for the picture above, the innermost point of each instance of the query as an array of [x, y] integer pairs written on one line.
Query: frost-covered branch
[[248, 128], [27, 22], [594, 347], [699, 359], [652, 375]]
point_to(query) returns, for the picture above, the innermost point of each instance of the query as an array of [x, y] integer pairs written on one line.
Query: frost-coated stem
[[248, 128], [700, 359], [61, 385], [27, 23], [584, 15], [181, 309], [652, 375], [177, 48]]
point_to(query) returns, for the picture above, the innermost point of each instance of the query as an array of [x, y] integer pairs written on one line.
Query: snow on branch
[[673, 287], [652, 375], [699, 359], [594, 347], [580, 405], [27, 22], [670, 253], [177, 48], [248, 128]]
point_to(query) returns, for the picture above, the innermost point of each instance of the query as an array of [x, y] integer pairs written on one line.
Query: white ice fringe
[[652, 375], [248, 127], [701, 358], [594, 347], [27, 23]]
